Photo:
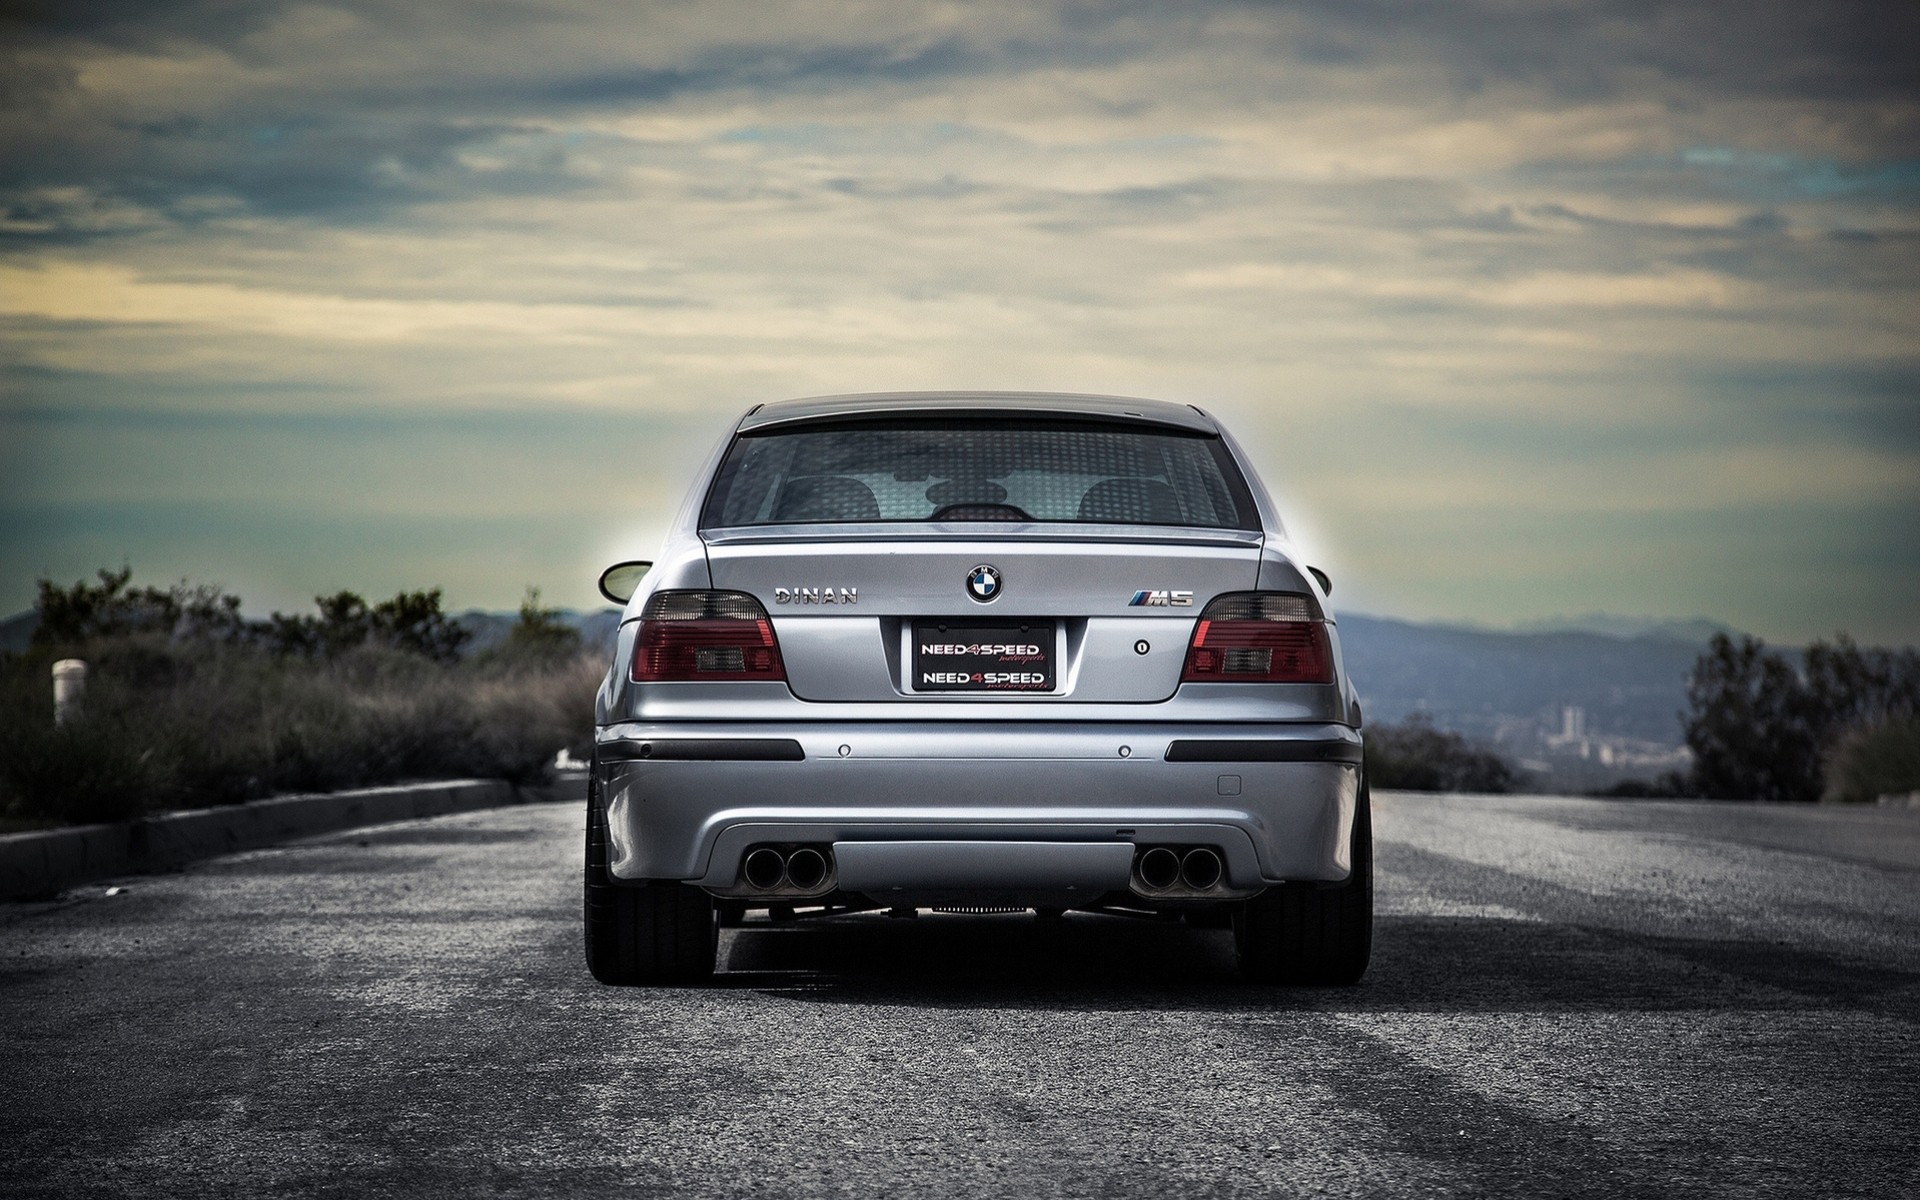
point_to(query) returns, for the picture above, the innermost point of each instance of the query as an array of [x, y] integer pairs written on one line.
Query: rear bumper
[[685, 801]]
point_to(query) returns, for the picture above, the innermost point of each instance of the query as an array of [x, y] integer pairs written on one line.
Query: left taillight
[[1259, 637], [713, 637]]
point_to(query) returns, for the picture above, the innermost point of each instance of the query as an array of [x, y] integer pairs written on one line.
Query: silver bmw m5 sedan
[[977, 651]]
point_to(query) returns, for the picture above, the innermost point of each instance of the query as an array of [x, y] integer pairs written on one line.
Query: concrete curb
[[39, 864]]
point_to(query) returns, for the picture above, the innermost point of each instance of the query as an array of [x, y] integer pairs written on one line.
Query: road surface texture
[[1568, 998]]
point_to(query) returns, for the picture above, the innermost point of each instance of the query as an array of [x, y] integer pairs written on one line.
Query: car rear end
[[978, 652]]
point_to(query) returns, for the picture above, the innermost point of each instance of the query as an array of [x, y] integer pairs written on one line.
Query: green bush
[[1417, 757], [1873, 760]]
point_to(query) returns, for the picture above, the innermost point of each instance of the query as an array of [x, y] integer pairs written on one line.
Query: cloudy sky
[[1524, 308]]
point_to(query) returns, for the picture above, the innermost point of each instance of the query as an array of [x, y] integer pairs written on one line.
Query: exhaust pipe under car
[[806, 868], [765, 869], [1159, 868], [784, 871], [1180, 872], [1200, 869]]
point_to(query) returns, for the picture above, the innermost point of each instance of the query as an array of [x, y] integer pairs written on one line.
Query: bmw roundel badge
[[983, 583]]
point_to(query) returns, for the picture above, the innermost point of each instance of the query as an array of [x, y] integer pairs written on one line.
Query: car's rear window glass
[[979, 469]]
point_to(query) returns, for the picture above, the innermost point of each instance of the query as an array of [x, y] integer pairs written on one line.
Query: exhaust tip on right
[[1200, 869], [806, 869]]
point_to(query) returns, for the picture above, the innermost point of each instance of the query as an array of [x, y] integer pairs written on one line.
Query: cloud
[[298, 108], [1607, 264]]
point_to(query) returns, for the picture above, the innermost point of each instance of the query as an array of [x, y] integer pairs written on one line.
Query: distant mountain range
[[16, 632], [1689, 629], [1481, 682], [597, 628]]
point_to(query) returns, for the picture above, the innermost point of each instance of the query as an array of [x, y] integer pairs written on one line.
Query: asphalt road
[[1568, 998]]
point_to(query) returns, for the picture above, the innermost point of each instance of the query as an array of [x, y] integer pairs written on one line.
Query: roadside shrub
[[1762, 728], [1417, 757], [526, 717], [540, 635], [410, 621], [1672, 785], [78, 773], [112, 608], [1873, 760], [175, 718]]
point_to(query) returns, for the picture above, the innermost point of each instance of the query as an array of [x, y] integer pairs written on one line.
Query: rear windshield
[[979, 469]]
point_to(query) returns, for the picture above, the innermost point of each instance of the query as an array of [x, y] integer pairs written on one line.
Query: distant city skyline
[[1523, 310]]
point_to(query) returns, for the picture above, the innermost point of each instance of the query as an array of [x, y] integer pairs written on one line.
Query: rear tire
[[664, 932], [1304, 934]]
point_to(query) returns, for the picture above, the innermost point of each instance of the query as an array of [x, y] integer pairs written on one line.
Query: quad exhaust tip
[[765, 869], [1200, 869], [1159, 868], [806, 868], [1177, 871], [785, 871]]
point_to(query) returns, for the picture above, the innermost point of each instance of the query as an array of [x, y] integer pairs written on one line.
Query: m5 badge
[[1161, 599]]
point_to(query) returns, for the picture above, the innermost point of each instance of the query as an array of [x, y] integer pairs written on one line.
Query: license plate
[[966, 656]]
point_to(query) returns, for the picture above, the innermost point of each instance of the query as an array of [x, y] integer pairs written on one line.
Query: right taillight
[[1259, 637], [713, 637]]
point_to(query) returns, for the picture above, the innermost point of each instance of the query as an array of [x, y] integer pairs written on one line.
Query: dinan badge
[[983, 583]]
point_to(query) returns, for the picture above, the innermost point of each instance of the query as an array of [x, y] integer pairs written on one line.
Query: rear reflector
[[714, 637], [1259, 637]]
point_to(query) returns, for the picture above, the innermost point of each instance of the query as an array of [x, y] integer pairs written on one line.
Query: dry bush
[[1877, 759], [1417, 757], [169, 724]]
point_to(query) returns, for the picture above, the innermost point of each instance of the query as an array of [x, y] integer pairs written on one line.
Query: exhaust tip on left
[[1159, 868], [764, 869]]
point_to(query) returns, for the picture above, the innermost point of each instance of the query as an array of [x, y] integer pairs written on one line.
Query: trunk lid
[[846, 606]]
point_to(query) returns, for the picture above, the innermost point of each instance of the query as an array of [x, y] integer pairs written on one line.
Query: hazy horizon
[[1523, 310]]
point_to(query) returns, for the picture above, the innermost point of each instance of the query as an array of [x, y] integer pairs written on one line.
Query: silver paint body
[[914, 790]]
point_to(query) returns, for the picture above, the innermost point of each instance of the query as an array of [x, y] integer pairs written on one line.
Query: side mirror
[[620, 581], [1320, 577]]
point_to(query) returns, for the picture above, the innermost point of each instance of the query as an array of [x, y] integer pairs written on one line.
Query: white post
[[69, 685]]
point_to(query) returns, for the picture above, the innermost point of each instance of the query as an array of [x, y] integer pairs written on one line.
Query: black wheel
[[664, 932], [1301, 933]]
